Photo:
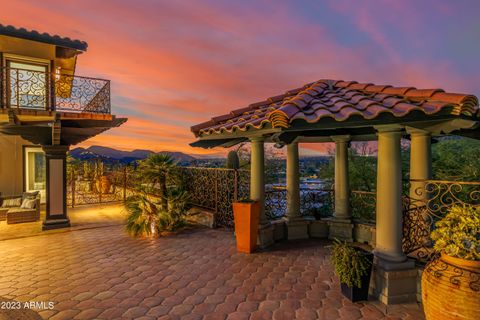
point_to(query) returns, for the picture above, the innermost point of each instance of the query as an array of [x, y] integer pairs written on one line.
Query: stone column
[[257, 189], [420, 164], [395, 278], [341, 226], [293, 182], [297, 227], [342, 184], [389, 195], [56, 187]]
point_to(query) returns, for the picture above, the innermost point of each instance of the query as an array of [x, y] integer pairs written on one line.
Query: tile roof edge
[[34, 35]]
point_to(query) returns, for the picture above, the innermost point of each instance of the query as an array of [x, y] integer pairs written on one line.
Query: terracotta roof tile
[[339, 100], [422, 94], [34, 35]]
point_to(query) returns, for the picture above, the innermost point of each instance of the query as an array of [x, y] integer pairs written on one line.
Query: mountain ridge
[[107, 153]]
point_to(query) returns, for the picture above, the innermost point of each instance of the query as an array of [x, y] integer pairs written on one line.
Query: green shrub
[[143, 216], [458, 234], [350, 263], [146, 216]]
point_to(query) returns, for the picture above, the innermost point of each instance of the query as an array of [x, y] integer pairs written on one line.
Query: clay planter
[[450, 289], [246, 218], [104, 184]]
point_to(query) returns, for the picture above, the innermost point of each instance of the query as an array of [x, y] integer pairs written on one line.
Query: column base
[[279, 229], [265, 235], [341, 229], [318, 229], [297, 228], [395, 282], [50, 224]]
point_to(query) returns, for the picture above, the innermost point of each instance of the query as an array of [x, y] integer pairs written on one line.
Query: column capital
[[294, 142], [342, 138], [257, 139], [417, 132], [58, 151], [389, 128]]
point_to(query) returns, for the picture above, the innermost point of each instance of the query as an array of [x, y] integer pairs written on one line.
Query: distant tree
[[456, 159], [362, 169], [233, 161]]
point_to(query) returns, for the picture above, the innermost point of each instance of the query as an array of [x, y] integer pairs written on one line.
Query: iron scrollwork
[[456, 276], [430, 202], [21, 88]]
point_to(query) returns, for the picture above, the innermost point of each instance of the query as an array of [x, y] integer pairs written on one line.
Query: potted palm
[[353, 266], [246, 214], [450, 285]]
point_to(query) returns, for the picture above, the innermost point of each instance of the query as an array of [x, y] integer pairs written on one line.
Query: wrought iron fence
[[430, 202], [90, 183], [28, 89], [316, 203], [216, 189]]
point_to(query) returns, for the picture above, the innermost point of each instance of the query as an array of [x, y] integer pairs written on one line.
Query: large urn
[[451, 289]]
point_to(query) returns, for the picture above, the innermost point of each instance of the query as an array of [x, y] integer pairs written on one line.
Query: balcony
[[36, 90]]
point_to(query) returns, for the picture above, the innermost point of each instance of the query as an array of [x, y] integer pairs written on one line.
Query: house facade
[[44, 109]]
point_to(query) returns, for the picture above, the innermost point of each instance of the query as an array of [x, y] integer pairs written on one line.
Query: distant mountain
[[113, 155]]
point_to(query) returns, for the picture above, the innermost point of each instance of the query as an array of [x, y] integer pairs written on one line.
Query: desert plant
[[73, 167], [174, 218], [233, 161], [156, 169], [350, 263], [458, 233], [143, 216], [178, 199]]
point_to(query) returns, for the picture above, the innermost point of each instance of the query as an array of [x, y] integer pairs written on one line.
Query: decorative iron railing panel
[[216, 189], [89, 187], [430, 202], [316, 203], [27, 89]]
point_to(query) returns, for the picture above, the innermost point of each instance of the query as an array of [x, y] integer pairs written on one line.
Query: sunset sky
[[174, 64]]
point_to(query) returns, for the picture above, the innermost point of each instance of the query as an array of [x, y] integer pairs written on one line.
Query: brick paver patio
[[104, 274]]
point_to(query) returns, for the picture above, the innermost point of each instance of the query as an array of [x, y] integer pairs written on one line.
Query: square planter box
[[246, 217]]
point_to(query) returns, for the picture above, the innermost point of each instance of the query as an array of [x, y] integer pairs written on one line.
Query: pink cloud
[[177, 63]]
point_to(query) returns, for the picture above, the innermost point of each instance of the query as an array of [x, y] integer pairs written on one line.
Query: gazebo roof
[[340, 101]]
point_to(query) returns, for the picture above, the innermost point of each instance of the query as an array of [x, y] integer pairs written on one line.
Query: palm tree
[[156, 169], [143, 216]]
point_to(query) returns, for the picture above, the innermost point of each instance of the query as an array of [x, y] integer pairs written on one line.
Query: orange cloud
[[177, 63]]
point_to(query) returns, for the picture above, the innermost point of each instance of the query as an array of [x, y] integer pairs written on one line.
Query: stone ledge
[[297, 228], [318, 229]]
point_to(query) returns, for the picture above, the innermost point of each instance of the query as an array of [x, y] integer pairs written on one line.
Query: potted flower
[[246, 215], [353, 266], [450, 285]]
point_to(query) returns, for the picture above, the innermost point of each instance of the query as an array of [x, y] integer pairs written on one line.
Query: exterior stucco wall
[[11, 164]]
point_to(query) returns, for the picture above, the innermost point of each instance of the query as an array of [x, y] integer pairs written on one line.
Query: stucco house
[[44, 109]]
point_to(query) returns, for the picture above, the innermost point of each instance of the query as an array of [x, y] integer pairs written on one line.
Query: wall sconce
[[57, 73]]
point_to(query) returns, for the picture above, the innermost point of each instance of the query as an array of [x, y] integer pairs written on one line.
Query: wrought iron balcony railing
[[27, 89]]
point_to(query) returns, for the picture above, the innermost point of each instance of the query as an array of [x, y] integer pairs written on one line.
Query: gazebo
[[341, 112]]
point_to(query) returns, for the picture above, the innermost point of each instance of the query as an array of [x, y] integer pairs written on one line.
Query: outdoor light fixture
[[57, 73]]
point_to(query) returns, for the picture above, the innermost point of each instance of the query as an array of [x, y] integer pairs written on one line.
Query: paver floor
[[81, 217], [104, 274]]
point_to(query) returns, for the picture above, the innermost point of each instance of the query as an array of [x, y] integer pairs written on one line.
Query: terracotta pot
[[451, 289], [246, 218], [105, 184]]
